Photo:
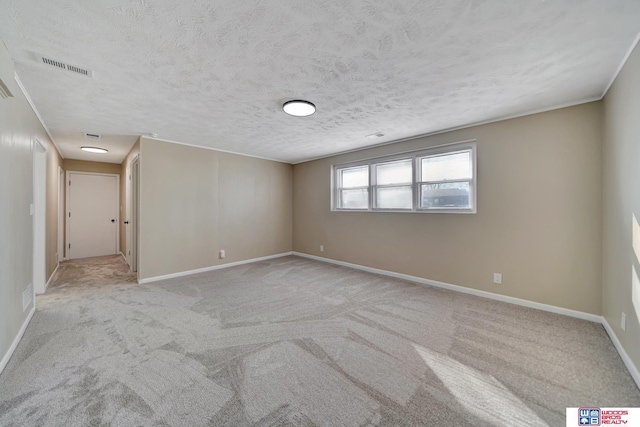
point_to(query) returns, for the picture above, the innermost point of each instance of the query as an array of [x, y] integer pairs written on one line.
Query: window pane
[[394, 197], [355, 177], [354, 199], [394, 173], [446, 167], [445, 195]]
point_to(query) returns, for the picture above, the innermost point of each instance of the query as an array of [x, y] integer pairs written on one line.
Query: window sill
[[406, 211]]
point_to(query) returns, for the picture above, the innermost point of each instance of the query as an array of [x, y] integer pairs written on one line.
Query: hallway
[[79, 277]]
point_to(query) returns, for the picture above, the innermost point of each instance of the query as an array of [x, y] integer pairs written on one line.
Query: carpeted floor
[[82, 276], [294, 342]]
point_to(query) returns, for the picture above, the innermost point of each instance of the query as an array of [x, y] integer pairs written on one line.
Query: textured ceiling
[[215, 73]]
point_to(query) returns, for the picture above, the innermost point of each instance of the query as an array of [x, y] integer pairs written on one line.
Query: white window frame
[[338, 187], [416, 182]]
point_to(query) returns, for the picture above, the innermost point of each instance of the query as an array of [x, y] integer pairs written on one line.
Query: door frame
[[61, 213], [39, 219], [67, 201], [135, 212]]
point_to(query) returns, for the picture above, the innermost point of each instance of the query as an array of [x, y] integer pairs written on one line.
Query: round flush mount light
[[95, 150], [298, 108]]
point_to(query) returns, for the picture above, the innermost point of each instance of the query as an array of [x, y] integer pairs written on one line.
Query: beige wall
[[538, 221], [194, 202], [621, 196], [54, 161], [18, 127], [95, 167], [124, 178]]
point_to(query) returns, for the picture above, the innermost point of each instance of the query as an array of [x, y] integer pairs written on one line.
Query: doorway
[[38, 210], [92, 214]]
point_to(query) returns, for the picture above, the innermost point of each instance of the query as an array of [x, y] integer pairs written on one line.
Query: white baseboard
[[633, 370], [215, 267], [457, 288], [17, 339], [123, 257], [46, 285]]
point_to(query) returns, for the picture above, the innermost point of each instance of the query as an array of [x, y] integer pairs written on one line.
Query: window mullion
[[446, 181], [415, 186], [373, 183]]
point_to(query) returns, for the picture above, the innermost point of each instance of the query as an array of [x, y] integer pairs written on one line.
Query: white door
[[92, 214]]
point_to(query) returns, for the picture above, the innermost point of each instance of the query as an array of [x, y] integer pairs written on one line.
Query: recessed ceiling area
[[70, 143], [216, 74]]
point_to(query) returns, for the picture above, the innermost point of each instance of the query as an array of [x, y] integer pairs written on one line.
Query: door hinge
[[69, 214], [69, 182], [69, 245]]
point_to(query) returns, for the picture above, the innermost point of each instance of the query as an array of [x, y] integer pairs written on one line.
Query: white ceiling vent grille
[[64, 66], [4, 91]]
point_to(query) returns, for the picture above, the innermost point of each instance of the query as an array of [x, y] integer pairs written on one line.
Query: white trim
[[214, 267], [35, 110], [123, 257], [215, 149], [484, 294], [61, 214], [621, 66], [16, 341], [633, 370], [46, 285], [470, 125]]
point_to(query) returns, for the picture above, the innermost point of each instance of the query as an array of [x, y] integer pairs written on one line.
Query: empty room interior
[[324, 213]]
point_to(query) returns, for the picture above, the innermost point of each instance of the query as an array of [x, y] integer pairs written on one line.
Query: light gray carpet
[[103, 270], [293, 342]]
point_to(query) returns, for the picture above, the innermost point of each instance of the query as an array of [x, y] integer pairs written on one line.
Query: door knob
[[126, 222], [113, 220]]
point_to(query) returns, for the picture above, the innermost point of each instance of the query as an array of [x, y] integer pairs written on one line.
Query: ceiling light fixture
[[299, 108], [95, 150]]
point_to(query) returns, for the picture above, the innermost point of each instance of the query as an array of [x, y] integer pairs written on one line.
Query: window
[[353, 184], [440, 179], [445, 181], [392, 189]]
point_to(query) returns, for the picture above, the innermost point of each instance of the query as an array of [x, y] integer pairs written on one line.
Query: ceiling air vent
[[92, 136], [64, 66], [4, 91]]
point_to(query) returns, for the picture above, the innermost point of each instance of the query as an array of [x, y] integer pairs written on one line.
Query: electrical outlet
[[623, 322], [222, 253], [321, 248], [497, 278]]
